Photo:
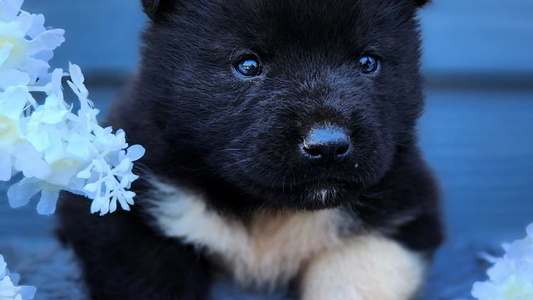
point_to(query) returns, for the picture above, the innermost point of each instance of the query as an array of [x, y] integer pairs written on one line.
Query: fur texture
[[366, 268], [265, 253], [229, 188]]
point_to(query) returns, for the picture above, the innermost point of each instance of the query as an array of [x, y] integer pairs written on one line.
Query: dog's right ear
[[420, 3], [153, 8]]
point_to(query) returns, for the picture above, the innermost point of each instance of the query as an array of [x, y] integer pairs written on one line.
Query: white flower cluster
[[511, 277], [54, 147], [8, 285]]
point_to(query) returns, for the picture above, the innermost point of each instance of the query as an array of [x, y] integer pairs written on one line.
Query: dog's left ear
[[419, 3], [153, 8]]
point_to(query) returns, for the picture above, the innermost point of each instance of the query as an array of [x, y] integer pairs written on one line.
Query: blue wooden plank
[[101, 35], [481, 145], [478, 36]]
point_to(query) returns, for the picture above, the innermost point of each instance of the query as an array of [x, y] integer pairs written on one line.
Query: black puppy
[[281, 151]]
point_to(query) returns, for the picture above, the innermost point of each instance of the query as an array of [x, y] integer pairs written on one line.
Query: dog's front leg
[[366, 268]]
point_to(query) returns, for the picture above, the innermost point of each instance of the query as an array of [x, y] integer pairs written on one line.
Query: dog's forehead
[[307, 21], [324, 12]]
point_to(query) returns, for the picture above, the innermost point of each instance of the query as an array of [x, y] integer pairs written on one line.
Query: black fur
[[420, 3], [237, 141], [151, 7], [156, 8]]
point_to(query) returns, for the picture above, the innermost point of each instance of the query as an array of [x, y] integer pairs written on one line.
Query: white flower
[[25, 45], [12, 105], [44, 122], [110, 174], [8, 285], [512, 288], [13, 102], [20, 194], [54, 148], [59, 150], [511, 277]]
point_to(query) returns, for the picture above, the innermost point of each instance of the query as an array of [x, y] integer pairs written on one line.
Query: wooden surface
[[481, 146]]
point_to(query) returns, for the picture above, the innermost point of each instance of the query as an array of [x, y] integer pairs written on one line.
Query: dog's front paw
[[367, 268]]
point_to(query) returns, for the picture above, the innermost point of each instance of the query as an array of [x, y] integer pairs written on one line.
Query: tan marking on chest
[[369, 267], [265, 254]]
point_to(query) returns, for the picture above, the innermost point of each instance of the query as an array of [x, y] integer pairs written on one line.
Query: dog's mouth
[[325, 192], [311, 193], [291, 184]]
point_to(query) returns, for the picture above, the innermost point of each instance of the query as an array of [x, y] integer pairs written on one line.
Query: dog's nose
[[326, 143]]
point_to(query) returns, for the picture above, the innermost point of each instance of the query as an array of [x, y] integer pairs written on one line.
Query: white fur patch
[[266, 253], [365, 268]]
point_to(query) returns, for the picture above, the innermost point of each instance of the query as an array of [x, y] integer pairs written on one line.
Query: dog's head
[[295, 103]]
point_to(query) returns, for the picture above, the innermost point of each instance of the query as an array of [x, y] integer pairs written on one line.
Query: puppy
[[281, 153]]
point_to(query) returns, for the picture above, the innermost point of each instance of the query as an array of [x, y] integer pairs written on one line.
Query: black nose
[[326, 143]]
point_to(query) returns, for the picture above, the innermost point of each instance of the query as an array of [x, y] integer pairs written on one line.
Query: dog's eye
[[249, 67], [368, 64]]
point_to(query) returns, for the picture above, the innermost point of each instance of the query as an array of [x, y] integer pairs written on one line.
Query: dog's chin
[[315, 196]]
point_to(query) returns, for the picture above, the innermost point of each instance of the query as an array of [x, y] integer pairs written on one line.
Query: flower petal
[[3, 266], [47, 203], [21, 192], [13, 101], [27, 292], [30, 162], [10, 10], [39, 138], [24, 21], [4, 52], [5, 166], [135, 152], [35, 67], [37, 26], [484, 291], [13, 78], [79, 146], [48, 40]]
